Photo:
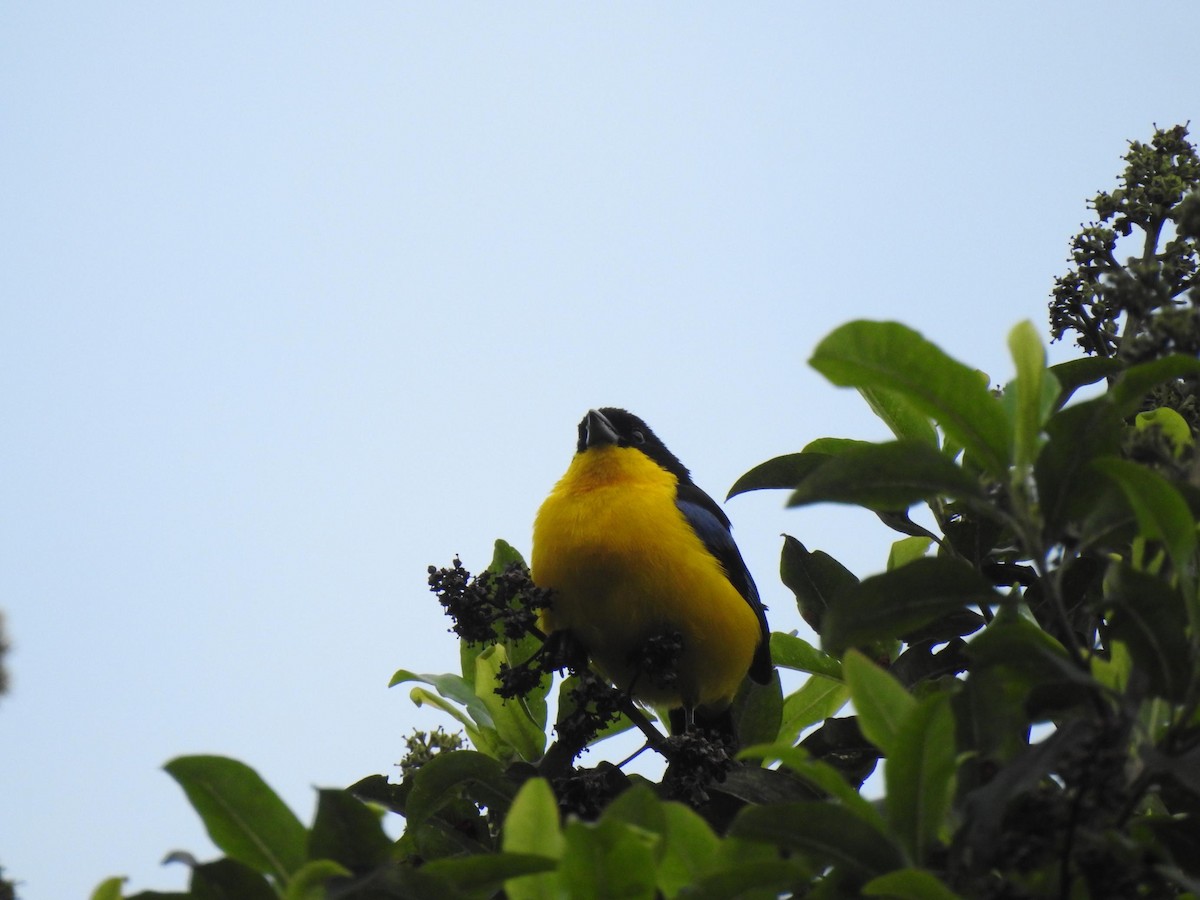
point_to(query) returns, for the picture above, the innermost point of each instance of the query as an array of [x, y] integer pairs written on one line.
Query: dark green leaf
[[815, 578], [1128, 392], [919, 773], [909, 884], [893, 357], [1162, 513], [827, 833], [757, 710], [440, 780], [228, 879], [1078, 434], [348, 832], [898, 602], [486, 873], [889, 476], [1078, 373], [772, 877], [312, 879], [242, 815], [781, 472], [1150, 619], [820, 775]]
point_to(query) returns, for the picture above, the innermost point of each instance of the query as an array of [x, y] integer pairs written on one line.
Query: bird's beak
[[598, 431]]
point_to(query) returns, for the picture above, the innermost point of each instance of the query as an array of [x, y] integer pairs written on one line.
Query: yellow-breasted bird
[[634, 551]]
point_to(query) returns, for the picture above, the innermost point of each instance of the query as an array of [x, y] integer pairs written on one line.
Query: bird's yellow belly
[[625, 566]]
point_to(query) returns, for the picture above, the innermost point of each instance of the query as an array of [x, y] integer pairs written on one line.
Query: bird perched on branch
[[646, 576]]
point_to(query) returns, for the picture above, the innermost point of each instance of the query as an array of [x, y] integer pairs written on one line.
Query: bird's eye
[[637, 437]]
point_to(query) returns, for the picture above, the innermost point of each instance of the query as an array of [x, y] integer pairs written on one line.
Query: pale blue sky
[[300, 298]]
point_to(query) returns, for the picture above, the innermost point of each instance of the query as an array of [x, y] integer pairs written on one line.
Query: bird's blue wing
[[712, 527]]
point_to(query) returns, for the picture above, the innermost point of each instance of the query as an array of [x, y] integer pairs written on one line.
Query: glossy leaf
[[242, 815], [880, 700], [887, 477], [1173, 426], [919, 773], [1077, 373], [512, 720], [757, 710], [609, 860], [310, 880], [900, 415], [438, 782], [1162, 513], [1150, 619], [789, 651], [895, 603], [820, 775], [485, 873], [893, 357], [816, 578], [1130, 389], [829, 834], [816, 700], [782, 472], [1030, 358], [689, 851], [348, 832], [532, 826], [1067, 488], [909, 884], [228, 879]]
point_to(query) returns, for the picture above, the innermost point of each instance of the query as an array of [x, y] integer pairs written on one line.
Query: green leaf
[[907, 550], [905, 420], [485, 739], [1131, 388], [513, 722], [919, 773], [782, 472], [816, 700], [1030, 358], [609, 860], [486, 873], [689, 852], [889, 476], [228, 879], [829, 834], [909, 884], [109, 889], [1162, 513], [242, 815], [880, 700], [757, 710], [820, 775], [1173, 426], [898, 602], [893, 357], [815, 578], [348, 832], [791, 652], [1077, 373], [1067, 488], [452, 687], [440, 781], [532, 826], [1149, 618], [504, 555], [309, 882]]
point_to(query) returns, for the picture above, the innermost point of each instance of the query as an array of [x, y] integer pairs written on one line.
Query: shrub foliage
[[1026, 669]]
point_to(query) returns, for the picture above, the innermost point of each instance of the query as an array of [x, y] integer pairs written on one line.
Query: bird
[[633, 551]]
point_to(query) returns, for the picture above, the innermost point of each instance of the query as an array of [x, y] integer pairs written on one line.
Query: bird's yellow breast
[[626, 566]]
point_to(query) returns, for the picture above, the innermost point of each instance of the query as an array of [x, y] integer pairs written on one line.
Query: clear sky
[[300, 298]]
